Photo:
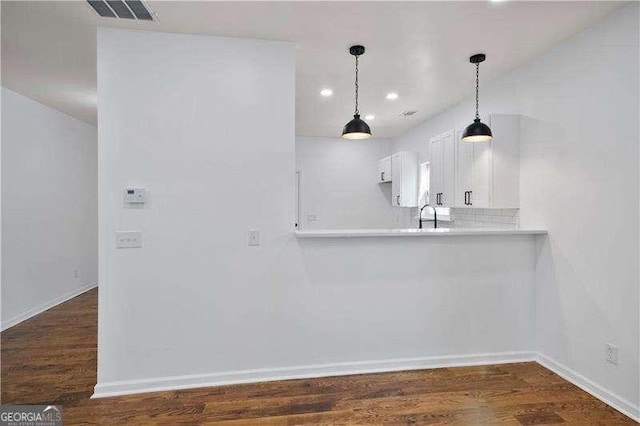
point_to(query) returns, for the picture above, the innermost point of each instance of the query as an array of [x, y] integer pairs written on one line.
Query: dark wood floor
[[51, 359]]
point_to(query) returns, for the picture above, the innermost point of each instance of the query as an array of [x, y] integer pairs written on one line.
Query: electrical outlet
[[75, 273], [612, 353]]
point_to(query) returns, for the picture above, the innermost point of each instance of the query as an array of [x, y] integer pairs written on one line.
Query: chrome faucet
[[435, 216]]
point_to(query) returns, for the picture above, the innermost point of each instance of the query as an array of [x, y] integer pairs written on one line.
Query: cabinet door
[[396, 180], [409, 194], [404, 181], [384, 170], [481, 188], [448, 169], [435, 183], [464, 170]]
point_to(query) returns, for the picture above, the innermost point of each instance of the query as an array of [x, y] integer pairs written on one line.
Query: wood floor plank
[[51, 359]]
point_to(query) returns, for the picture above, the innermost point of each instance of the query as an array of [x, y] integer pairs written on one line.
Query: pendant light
[[356, 128], [477, 131]]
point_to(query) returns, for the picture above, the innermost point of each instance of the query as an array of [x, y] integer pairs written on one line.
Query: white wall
[[49, 207], [340, 183], [197, 305], [579, 179], [207, 126]]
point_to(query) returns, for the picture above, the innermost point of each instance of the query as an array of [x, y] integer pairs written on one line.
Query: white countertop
[[342, 233]]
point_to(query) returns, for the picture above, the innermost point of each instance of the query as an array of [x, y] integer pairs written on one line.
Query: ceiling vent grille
[[408, 113], [128, 9]]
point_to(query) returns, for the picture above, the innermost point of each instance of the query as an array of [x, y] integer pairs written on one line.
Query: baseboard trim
[[107, 389], [128, 387], [616, 401], [45, 306]]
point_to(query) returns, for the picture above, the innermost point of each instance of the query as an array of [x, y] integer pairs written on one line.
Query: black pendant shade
[[356, 128], [477, 131]]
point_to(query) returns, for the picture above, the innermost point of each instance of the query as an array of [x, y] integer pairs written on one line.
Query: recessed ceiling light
[[392, 96], [369, 117], [326, 92]]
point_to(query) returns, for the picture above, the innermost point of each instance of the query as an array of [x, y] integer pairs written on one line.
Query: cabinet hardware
[[467, 198], [398, 199], [381, 175]]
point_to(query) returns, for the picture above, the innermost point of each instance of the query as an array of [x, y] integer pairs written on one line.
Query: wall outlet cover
[[128, 239], [612, 353]]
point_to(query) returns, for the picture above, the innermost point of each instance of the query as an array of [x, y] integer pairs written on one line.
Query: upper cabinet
[[404, 185], [384, 170], [473, 173], [462, 174], [488, 173], [443, 163]]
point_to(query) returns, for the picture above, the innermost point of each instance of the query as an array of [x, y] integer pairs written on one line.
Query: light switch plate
[[254, 237], [128, 239]]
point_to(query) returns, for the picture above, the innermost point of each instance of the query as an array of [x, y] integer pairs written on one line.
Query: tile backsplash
[[484, 218]]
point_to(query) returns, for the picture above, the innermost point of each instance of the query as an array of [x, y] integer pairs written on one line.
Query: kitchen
[[465, 176], [472, 185]]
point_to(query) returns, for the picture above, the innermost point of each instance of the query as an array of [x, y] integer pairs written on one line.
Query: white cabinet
[[404, 179], [488, 173], [443, 161], [384, 170], [473, 180]]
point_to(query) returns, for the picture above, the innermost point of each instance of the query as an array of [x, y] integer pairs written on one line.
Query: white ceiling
[[418, 49]]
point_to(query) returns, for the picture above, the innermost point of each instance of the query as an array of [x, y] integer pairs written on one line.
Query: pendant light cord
[[357, 112], [477, 84]]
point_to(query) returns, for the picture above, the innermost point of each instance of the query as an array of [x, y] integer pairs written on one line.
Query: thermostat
[[135, 195]]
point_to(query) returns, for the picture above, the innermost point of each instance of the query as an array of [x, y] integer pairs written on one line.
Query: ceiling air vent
[[408, 113], [128, 9]]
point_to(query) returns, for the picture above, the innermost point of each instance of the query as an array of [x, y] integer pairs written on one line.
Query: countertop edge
[[457, 232]]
